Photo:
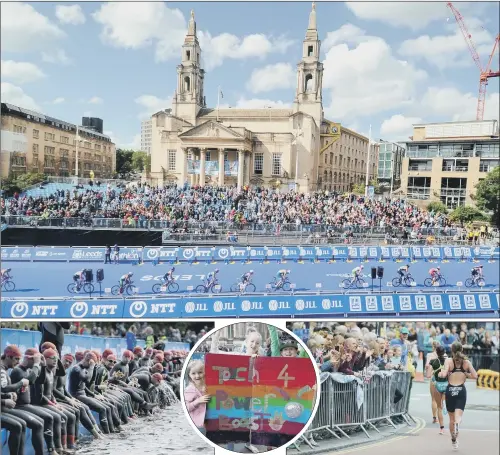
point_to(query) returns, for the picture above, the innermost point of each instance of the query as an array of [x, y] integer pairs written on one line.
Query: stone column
[[202, 166], [184, 174], [221, 167], [192, 177], [241, 159], [249, 168]]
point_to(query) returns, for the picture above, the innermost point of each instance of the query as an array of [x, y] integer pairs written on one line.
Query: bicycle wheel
[[469, 282], [115, 290], [480, 282], [346, 284], [360, 283], [442, 281], [200, 289], [9, 285], [157, 288], [235, 287], [428, 282], [130, 290], [396, 282], [250, 287], [71, 288], [173, 287], [88, 288], [409, 281], [216, 288], [286, 286]]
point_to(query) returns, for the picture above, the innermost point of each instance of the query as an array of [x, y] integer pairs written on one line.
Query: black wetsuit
[[51, 420], [15, 426], [456, 395], [145, 362], [77, 387], [83, 413], [31, 421], [115, 407], [136, 394], [133, 366]]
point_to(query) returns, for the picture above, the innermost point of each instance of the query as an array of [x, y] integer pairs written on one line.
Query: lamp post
[[77, 142], [367, 181]]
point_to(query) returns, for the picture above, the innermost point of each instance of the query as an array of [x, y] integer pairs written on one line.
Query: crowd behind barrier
[[251, 306], [358, 403], [191, 254]]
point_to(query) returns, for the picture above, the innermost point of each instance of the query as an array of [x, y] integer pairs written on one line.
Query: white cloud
[[24, 29], [59, 100], [95, 100], [20, 72], [57, 56], [257, 103], [72, 14], [450, 104], [398, 127], [364, 77], [227, 46], [414, 15], [139, 25], [134, 144], [15, 95], [272, 77], [448, 50], [152, 104]]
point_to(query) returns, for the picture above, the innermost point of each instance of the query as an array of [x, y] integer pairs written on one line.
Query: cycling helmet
[[479, 267], [407, 265], [362, 266], [8, 270], [251, 271], [439, 268], [216, 270], [288, 271], [173, 269], [130, 274]]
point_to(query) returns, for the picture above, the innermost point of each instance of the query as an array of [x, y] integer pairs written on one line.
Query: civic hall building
[[271, 147]]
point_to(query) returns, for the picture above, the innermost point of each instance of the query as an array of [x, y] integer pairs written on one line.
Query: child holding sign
[[195, 395]]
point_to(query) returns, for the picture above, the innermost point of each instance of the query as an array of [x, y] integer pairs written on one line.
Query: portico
[[232, 149]]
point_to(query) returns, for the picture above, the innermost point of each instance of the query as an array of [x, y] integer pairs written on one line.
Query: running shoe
[[434, 420], [441, 431], [454, 444]]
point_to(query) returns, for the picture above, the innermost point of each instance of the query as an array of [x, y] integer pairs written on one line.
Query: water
[[166, 432]]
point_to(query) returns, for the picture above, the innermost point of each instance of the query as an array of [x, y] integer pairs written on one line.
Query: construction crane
[[484, 73]]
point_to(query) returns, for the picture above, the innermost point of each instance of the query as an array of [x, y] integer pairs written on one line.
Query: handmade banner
[[259, 395]]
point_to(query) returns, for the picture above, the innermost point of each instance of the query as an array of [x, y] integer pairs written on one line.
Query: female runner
[[438, 385], [428, 373], [457, 369]]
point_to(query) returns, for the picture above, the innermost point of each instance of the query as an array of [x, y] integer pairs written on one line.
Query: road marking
[[420, 426]]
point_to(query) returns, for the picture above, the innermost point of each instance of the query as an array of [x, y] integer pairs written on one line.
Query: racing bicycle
[[439, 279], [283, 283], [475, 281], [8, 284], [128, 289], [171, 286], [349, 283], [74, 288], [212, 288], [238, 287], [407, 280]]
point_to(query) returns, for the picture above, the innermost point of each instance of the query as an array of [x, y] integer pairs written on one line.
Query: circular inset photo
[[250, 387]]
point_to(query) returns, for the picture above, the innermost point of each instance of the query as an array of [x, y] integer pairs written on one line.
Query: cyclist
[[281, 277], [79, 279], [211, 278], [477, 272], [356, 273], [169, 276], [403, 271], [6, 274], [245, 279], [435, 272], [125, 280]]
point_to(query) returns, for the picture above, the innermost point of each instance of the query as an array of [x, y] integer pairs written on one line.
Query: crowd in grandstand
[[53, 395], [250, 205]]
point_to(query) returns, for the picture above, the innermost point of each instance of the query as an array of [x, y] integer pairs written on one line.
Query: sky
[[388, 65]]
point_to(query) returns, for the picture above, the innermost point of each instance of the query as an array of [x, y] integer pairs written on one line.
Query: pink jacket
[[196, 411]]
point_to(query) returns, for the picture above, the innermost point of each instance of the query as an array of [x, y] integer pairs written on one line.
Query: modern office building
[[445, 161], [35, 142], [146, 131], [390, 160], [93, 123]]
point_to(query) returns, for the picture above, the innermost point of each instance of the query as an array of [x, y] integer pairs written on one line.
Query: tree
[[359, 188], [18, 184], [467, 214], [437, 207], [487, 195], [129, 161]]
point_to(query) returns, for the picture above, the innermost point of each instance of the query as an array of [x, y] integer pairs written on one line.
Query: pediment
[[211, 129]]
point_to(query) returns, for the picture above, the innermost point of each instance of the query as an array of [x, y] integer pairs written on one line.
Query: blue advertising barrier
[[248, 306], [238, 253]]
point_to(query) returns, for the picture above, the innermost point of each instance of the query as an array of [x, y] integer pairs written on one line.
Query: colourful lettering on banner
[[262, 395]]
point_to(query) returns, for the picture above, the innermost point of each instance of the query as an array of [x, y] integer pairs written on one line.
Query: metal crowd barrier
[[350, 404]]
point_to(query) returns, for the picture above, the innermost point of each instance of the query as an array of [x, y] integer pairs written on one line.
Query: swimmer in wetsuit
[[457, 369], [16, 418]]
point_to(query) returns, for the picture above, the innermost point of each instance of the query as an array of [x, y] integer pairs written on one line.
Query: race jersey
[[124, 279], [211, 276], [79, 275], [433, 271], [356, 271], [169, 275], [281, 273], [404, 268], [246, 276]]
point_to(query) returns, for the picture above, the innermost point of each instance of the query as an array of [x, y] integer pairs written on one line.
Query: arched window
[[308, 83], [187, 84]]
